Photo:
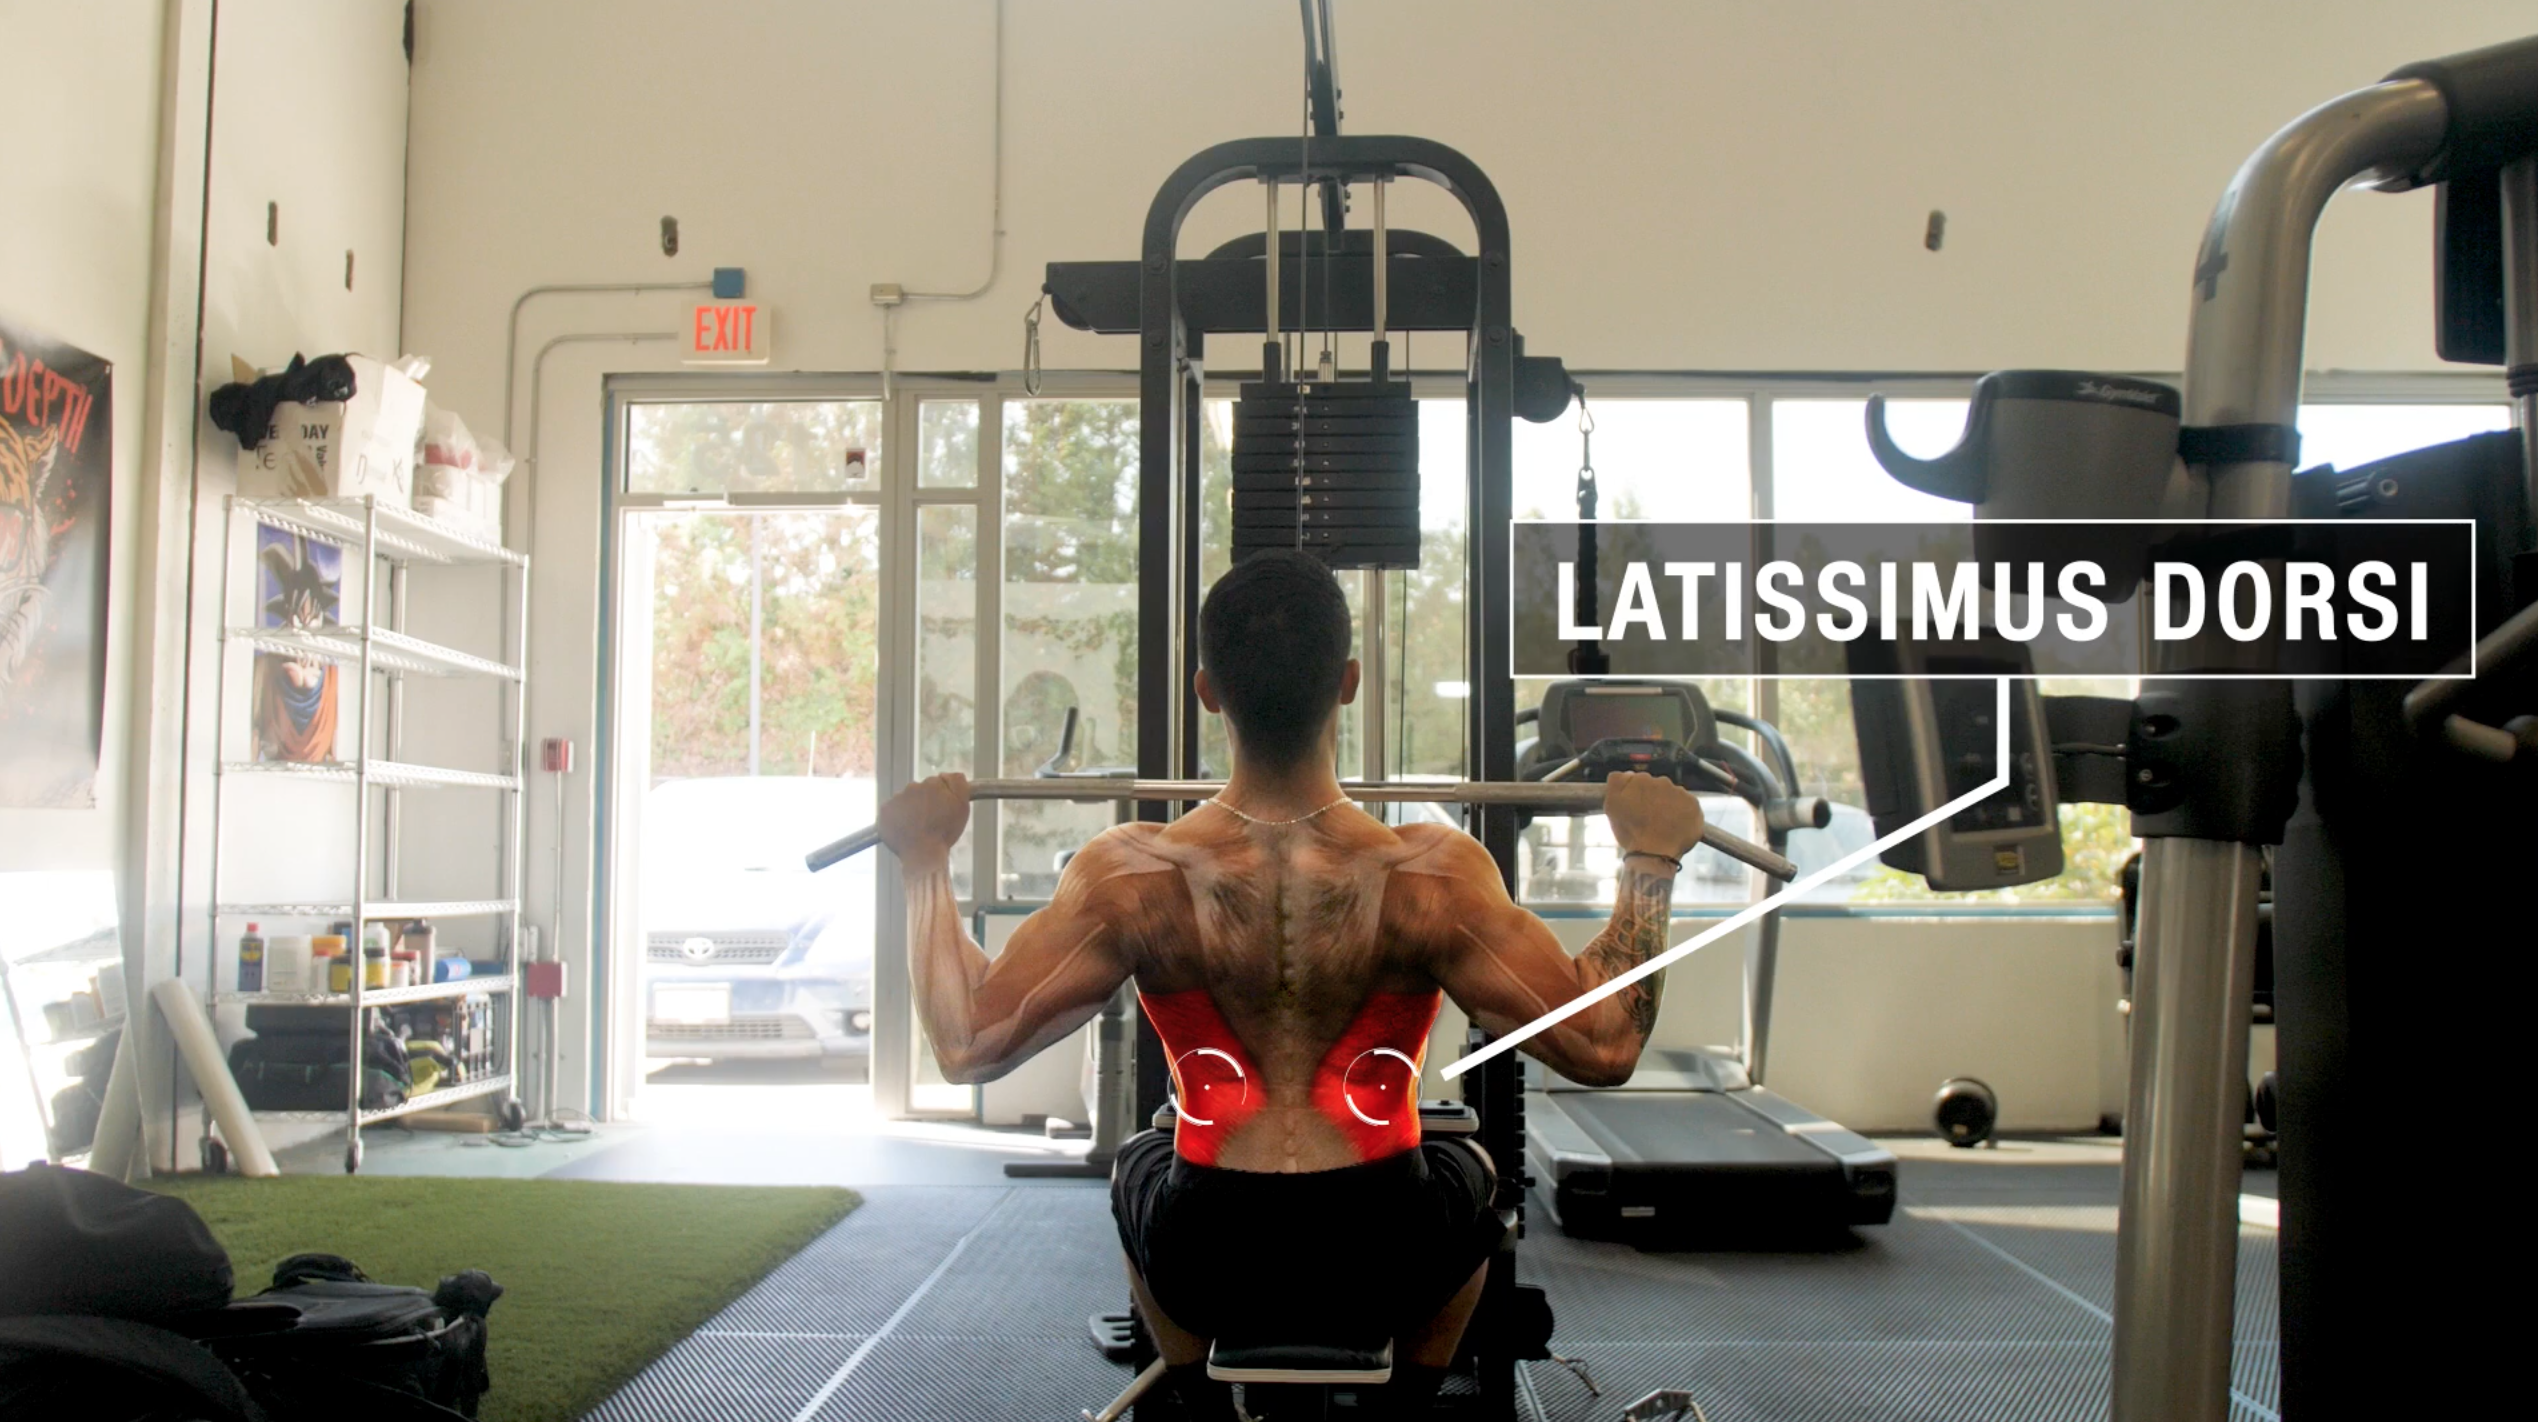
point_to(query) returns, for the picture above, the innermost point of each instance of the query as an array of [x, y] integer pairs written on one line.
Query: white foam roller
[[196, 1042], [118, 1143]]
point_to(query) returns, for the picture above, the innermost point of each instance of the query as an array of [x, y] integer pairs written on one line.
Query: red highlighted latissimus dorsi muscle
[[1367, 1084]]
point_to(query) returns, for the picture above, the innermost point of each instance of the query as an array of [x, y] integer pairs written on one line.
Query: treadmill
[[1693, 1147]]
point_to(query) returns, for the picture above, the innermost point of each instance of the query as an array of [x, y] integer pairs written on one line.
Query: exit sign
[[728, 333]]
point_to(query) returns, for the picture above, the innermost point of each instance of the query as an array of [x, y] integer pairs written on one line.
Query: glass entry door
[[794, 571], [749, 561], [760, 743]]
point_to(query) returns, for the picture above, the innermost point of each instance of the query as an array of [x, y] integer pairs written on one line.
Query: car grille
[[729, 948], [764, 1027]]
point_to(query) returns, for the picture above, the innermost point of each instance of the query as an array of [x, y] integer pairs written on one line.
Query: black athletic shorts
[[1363, 1252]]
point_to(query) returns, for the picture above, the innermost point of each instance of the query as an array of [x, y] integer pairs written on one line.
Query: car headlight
[[859, 1021]]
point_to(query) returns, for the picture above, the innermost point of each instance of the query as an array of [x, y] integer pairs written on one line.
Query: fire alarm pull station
[[557, 755], [544, 980]]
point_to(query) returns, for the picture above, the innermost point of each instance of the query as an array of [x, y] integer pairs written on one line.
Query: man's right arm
[[1504, 967]]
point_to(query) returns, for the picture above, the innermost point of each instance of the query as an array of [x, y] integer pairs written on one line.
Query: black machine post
[[2359, 974]]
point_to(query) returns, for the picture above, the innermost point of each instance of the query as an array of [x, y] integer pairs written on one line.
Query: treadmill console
[[1643, 725], [1931, 736]]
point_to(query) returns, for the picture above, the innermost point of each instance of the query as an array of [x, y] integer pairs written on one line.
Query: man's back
[[1294, 1003], [1292, 953]]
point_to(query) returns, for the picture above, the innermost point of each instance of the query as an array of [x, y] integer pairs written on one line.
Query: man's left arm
[[987, 1016]]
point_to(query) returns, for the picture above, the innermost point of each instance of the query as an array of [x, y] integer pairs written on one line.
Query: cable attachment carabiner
[[1031, 346], [1585, 455]]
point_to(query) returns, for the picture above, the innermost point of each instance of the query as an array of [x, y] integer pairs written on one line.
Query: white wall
[[309, 118], [150, 145], [309, 112], [1692, 186], [75, 264], [1714, 186], [1871, 1014]]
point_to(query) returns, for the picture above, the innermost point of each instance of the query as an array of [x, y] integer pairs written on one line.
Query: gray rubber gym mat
[[851, 1279], [1031, 1379], [925, 1302], [747, 1378], [1985, 1299]]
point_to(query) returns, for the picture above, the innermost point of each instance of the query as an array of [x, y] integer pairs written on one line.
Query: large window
[[1821, 469], [1070, 618], [839, 592], [1659, 459], [1663, 449], [758, 447], [2350, 435]]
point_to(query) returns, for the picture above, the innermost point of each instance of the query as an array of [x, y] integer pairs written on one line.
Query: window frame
[[899, 495]]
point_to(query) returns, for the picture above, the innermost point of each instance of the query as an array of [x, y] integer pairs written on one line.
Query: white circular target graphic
[[1181, 1072], [1348, 1087]]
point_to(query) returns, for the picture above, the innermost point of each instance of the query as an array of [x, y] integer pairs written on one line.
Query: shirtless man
[[1291, 951]]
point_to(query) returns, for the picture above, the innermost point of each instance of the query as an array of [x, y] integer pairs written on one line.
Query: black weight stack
[[1331, 467]]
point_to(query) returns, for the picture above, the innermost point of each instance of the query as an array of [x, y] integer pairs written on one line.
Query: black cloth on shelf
[[246, 409]]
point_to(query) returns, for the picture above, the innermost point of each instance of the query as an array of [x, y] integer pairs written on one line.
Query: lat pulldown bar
[[1539, 797]]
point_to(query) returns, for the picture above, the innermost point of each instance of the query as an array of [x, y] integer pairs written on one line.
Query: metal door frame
[[618, 1020]]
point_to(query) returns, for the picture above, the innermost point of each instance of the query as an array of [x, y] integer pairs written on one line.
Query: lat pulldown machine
[[1376, 282]]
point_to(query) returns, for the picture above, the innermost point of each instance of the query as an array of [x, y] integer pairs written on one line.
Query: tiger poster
[[56, 478]]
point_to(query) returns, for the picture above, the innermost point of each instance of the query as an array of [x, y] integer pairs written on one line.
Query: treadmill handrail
[[1770, 736]]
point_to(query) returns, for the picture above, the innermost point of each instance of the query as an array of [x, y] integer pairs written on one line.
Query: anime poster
[[299, 585], [56, 477]]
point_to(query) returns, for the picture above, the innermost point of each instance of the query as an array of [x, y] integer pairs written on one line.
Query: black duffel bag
[[76, 1367], [115, 1304], [76, 1242], [300, 1067], [306, 1086], [325, 1336]]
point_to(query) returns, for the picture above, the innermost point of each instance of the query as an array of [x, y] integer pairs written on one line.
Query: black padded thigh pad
[[1254, 1356]]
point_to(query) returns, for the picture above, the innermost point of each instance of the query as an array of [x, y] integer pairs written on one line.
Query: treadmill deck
[[1691, 1163]]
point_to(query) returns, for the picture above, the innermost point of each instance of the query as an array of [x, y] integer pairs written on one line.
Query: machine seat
[[1251, 1361], [1436, 1118]]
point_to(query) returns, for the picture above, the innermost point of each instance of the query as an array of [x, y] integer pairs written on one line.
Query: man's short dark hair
[[1274, 639]]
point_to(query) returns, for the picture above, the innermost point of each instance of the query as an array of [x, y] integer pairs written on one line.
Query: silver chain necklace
[[1219, 802]]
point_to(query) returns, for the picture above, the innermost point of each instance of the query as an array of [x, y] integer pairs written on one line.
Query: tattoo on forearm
[[1643, 908]]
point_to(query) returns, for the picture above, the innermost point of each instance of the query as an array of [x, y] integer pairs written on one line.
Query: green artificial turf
[[598, 1277]]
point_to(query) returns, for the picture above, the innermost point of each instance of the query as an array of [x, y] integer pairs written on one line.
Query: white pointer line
[[1658, 964]]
